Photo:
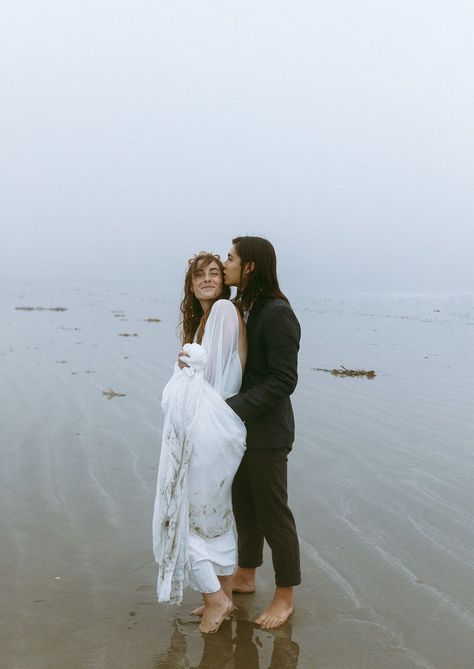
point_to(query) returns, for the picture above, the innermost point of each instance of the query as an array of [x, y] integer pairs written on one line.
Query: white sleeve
[[221, 338]]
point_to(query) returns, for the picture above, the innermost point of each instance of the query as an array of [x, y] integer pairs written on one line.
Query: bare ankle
[[214, 598], [285, 594], [226, 585], [244, 580], [246, 573]]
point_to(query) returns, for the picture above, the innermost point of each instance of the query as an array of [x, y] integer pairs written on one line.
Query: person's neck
[[206, 306]]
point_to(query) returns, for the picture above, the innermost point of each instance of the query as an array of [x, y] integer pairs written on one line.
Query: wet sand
[[381, 484]]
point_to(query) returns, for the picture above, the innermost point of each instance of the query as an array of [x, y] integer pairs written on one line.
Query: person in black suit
[[259, 491]]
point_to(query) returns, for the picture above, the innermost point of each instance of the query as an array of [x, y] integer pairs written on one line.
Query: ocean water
[[380, 479]]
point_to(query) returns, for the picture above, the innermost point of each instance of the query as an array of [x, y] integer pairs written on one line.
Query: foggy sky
[[137, 133]]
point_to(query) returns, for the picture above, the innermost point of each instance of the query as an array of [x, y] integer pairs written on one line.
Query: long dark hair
[[262, 281], [193, 317]]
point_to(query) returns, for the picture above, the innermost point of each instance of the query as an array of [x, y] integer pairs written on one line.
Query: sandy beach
[[381, 484]]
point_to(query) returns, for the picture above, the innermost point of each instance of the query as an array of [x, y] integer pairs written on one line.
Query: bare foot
[[279, 610], [214, 614], [226, 585], [200, 611], [243, 581]]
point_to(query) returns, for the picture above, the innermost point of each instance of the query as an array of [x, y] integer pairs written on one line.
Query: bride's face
[[207, 282]]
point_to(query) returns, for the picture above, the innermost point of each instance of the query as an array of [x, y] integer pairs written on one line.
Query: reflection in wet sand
[[176, 653], [380, 483], [235, 646]]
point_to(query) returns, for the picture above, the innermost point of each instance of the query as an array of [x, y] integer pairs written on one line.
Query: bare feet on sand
[[279, 610], [226, 585], [200, 610], [217, 607], [243, 581]]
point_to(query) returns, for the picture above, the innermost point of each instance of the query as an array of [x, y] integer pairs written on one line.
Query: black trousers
[[260, 503]]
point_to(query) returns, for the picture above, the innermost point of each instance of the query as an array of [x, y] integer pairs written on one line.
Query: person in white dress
[[202, 445]]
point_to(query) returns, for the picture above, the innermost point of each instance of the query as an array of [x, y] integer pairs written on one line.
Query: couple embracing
[[228, 429]]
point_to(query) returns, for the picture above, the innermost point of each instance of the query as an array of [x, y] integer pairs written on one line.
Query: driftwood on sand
[[343, 371], [111, 393]]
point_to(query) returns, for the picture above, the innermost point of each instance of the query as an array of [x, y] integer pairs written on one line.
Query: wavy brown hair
[[193, 317]]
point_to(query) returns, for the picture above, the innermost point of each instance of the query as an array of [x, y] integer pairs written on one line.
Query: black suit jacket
[[270, 376]]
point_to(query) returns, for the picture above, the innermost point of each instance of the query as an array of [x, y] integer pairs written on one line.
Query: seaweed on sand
[[111, 393], [343, 371], [40, 309]]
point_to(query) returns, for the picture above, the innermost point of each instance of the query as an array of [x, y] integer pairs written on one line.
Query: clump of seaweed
[[343, 371], [40, 309], [111, 393]]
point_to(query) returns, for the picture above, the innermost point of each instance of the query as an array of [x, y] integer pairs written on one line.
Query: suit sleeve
[[281, 335]]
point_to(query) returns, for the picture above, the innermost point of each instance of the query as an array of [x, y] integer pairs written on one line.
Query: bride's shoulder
[[223, 307], [225, 311]]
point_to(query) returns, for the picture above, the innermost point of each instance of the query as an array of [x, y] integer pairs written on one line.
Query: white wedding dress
[[202, 445]]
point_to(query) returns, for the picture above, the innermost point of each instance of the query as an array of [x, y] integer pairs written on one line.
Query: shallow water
[[381, 484]]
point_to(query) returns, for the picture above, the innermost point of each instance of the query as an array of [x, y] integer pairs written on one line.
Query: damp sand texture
[[380, 479]]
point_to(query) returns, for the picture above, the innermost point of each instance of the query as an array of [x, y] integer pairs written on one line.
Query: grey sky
[[136, 133]]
